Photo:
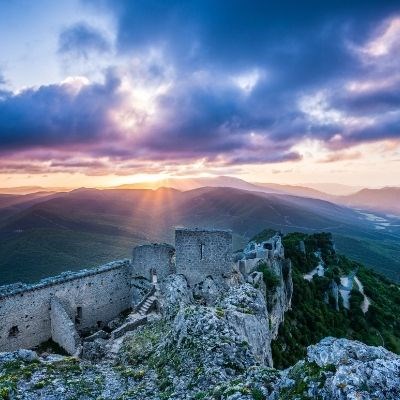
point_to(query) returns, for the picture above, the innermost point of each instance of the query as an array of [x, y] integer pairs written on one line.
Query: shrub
[[271, 280]]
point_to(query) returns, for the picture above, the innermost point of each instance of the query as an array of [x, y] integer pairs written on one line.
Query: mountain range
[[46, 233], [382, 200]]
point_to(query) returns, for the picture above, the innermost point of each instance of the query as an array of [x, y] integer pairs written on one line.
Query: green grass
[[10, 374]]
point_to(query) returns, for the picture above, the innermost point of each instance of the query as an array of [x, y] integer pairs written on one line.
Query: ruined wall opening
[[13, 332], [150, 260], [153, 276], [78, 316], [201, 251]]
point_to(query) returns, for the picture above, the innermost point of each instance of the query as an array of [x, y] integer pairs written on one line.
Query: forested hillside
[[317, 312], [46, 235]]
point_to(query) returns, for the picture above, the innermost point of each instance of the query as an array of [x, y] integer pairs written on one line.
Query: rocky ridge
[[210, 342], [334, 369]]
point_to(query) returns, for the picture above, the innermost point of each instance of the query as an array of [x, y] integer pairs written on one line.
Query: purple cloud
[[58, 115], [212, 106]]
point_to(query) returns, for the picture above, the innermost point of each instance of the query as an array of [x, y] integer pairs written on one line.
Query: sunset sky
[[97, 93]]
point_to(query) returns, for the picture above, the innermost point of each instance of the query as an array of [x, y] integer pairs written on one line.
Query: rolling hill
[[296, 190], [385, 200], [85, 227], [185, 184]]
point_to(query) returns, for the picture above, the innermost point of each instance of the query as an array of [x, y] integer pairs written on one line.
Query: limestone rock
[[210, 342], [246, 312], [175, 294], [346, 369], [256, 279], [208, 291], [94, 350], [22, 355], [279, 300], [201, 355], [343, 351]]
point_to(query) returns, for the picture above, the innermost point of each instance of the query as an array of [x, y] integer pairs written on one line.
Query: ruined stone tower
[[203, 252], [152, 258]]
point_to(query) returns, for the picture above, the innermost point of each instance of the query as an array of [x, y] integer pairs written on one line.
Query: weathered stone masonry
[[201, 253], [63, 329], [151, 258], [90, 298], [60, 307]]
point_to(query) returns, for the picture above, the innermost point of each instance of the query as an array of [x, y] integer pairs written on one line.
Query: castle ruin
[[62, 307]]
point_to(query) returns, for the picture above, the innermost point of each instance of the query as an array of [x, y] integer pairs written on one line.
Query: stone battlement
[[207, 230], [20, 288]]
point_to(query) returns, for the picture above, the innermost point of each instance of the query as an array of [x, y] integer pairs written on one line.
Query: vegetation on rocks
[[312, 319], [270, 279], [217, 347]]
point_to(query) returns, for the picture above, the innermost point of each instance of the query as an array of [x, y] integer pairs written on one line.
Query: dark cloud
[[388, 128], [237, 74], [303, 39], [81, 40], [269, 158], [369, 102], [302, 49], [58, 115]]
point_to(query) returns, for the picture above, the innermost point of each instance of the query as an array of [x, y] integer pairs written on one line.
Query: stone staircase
[[145, 307], [136, 318]]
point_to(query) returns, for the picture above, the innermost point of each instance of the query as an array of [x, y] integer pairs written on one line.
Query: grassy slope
[[311, 319]]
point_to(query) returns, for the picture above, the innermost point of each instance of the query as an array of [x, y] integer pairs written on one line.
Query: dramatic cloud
[[69, 113], [81, 39], [219, 83]]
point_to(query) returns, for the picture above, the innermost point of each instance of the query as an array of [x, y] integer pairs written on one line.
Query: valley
[[46, 233]]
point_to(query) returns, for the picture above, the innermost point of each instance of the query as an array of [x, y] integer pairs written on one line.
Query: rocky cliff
[[212, 342], [173, 368]]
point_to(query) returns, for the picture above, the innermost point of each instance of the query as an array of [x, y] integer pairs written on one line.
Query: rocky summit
[[209, 342]]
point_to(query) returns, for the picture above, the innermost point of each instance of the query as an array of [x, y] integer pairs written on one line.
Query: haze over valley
[[47, 232]]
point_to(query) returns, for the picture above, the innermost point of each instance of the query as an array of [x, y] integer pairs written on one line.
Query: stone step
[[128, 326], [143, 311], [148, 302]]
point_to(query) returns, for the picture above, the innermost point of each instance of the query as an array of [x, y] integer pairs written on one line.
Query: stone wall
[[63, 330], [248, 266], [201, 253], [90, 298], [158, 257]]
